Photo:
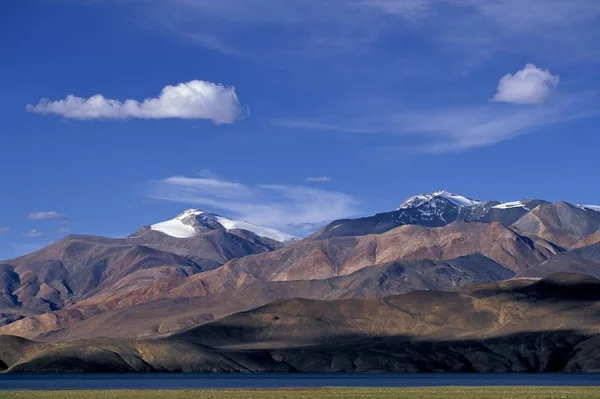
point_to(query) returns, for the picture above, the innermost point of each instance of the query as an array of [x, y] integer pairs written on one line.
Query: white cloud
[[277, 206], [530, 85], [195, 99], [318, 179], [50, 215], [4, 230], [33, 233], [212, 187], [63, 230]]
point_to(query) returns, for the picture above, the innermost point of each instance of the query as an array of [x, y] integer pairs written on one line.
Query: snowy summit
[[185, 224], [418, 200]]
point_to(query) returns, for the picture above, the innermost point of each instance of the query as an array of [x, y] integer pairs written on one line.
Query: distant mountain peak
[[187, 224], [418, 200]]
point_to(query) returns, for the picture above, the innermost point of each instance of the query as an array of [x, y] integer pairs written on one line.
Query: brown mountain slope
[[78, 267], [169, 315], [547, 325], [320, 259], [560, 223], [209, 248], [581, 260], [560, 301], [340, 256], [589, 240]]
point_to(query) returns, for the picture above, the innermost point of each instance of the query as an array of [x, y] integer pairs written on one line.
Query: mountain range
[[443, 282]]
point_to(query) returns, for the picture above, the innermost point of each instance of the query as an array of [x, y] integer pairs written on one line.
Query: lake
[[280, 380]]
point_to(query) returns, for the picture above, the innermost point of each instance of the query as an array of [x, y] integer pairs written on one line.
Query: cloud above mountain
[[279, 206], [49, 215], [318, 179], [195, 99], [33, 233], [4, 230], [531, 86]]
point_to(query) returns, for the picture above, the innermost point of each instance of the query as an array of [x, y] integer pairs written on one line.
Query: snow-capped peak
[[418, 200], [184, 225], [595, 208]]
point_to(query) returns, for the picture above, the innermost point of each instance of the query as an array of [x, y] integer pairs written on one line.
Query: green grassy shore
[[329, 393]]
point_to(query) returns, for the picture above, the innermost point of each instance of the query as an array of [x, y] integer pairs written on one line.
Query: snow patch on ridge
[[174, 228], [510, 205], [261, 231], [595, 208]]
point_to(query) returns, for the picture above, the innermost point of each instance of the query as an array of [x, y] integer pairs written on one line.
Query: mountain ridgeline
[[444, 282]]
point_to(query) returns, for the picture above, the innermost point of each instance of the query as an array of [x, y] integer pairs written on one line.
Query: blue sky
[[287, 114]]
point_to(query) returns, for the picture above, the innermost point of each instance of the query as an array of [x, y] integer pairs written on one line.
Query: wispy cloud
[[4, 230], [510, 14], [195, 99], [457, 128], [308, 27], [49, 215], [562, 31], [285, 207], [475, 29], [207, 174], [319, 179], [33, 233], [470, 127], [63, 230], [334, 126], [530, 85]]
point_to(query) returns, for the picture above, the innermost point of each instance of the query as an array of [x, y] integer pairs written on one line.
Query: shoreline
[[582, 392], [224, 381]]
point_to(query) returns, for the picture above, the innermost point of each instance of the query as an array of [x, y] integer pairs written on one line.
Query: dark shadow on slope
[[555, 287], [555, 351]]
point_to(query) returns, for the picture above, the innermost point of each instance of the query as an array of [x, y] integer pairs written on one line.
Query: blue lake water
[[279, 380]]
